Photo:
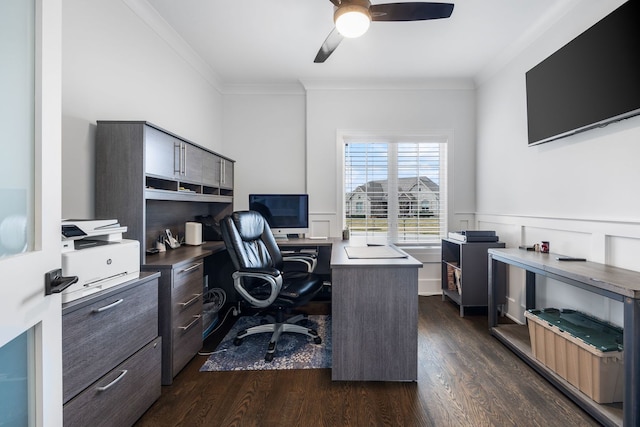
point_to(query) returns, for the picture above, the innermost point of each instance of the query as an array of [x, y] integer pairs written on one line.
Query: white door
[[30, 122]]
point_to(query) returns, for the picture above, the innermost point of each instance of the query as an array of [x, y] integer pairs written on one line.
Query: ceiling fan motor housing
[[357, 10]]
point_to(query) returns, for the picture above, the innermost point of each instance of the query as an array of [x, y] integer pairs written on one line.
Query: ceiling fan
[[352, 18]]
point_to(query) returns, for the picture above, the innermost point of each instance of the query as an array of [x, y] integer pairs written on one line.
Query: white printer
[[95, 252]]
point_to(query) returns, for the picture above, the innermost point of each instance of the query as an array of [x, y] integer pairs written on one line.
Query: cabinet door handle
[[194, 322], [191, 301], [183, 167], [177, 158], [112, 383], [107, 307], [193, 267]]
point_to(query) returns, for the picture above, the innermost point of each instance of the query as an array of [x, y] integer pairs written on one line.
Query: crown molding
[[154, 20], [263, 89], [390, 85]]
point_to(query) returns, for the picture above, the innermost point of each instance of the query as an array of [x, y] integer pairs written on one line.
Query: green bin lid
[[600, 334]]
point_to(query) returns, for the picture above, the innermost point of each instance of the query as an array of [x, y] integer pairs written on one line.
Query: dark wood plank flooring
[[465, 378]]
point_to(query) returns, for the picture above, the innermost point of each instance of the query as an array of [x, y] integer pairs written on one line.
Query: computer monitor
[[286, 214]]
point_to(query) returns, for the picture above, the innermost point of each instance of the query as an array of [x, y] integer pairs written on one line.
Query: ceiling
[[275, 42]]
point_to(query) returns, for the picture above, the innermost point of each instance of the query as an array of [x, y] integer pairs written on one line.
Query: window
[[395, 188]]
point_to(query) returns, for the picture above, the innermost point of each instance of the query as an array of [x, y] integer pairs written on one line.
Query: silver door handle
[[112, 383], [107, 307], [191, 301], [193, 267], [184, 159], [196, 318]]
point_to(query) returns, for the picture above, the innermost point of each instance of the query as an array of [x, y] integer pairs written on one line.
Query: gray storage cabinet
[[465, 268], [150, 180], [111, 355]]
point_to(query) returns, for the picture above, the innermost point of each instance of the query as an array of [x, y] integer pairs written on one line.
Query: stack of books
[[474, 236]]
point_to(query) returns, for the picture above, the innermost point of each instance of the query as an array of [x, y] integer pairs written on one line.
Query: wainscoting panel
[[429, 275], [616, 243], [323, 225], [623, 251]]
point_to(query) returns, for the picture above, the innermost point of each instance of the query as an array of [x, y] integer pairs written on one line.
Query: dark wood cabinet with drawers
[[180, 305], [111, 354], [152, 180]]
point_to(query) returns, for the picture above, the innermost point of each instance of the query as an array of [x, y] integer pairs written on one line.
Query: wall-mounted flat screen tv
[[591, 81]]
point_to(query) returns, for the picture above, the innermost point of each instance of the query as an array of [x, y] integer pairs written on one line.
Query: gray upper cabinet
[[217, 171], [168, 157], [151, 179], [210, 169], [161, 155], [226, 174], [191, 162]]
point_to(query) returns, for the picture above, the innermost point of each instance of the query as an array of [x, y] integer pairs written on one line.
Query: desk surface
[[339, 256], [613, 279], [185, 253], [329, 241], [340, 259]]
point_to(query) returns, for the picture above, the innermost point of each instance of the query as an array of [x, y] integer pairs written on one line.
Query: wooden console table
[[611, 282]]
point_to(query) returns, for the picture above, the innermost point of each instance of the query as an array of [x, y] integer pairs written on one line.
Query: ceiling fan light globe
[[352, 20]]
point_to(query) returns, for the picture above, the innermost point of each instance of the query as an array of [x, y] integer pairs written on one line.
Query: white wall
[[265, 134], [116, 67], [577, 192]]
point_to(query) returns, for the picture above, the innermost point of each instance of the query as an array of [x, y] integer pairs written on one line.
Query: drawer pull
[[107, 307], [191, 301], [112, 383], [193, 267], [194, 322]]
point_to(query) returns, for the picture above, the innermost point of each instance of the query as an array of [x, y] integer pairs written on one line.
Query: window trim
[[445, 136]]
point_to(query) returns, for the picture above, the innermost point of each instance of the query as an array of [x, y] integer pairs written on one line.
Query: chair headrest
[[250, 224]]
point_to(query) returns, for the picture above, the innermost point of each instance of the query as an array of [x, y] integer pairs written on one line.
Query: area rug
[[294, 351]]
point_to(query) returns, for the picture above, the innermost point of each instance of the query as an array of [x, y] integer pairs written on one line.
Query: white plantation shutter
[[395, 188]]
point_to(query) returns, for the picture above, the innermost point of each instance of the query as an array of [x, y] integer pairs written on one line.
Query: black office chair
[[260, 278]]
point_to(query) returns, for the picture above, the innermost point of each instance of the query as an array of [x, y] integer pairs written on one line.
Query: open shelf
[[516, 338], [464, 272], [184, 196], [608, 281]]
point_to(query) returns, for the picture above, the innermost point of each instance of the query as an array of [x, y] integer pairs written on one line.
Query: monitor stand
[[286, 236]]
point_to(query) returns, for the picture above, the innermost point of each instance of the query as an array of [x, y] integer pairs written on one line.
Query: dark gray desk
[[374, 313], [616, 283]]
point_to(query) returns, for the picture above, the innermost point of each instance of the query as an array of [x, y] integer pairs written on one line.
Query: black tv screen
[[285, 213], [591, 81]]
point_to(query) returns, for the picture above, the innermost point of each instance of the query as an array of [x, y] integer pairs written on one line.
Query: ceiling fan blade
[[335, 2], [417, 11], [330, 44]]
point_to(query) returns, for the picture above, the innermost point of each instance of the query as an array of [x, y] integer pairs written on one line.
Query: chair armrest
[[310, 260], [270, 275], [249, 272]]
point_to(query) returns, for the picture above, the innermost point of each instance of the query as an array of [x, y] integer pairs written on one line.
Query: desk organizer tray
[[583, 350]]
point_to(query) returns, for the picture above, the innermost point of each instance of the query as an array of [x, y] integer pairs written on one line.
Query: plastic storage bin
[[583, 350]]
